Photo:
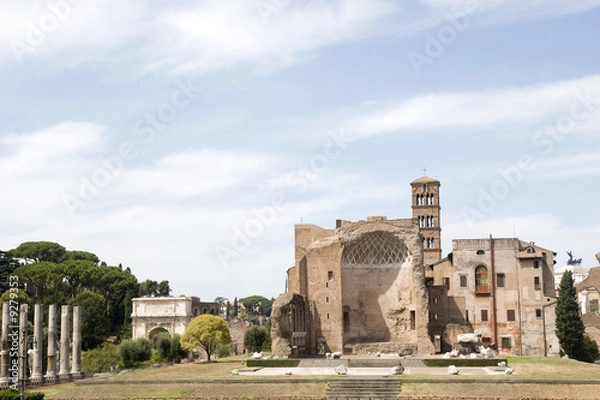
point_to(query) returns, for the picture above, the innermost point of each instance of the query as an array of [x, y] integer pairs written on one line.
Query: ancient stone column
[[76, 365], [38, 339], [51, 368], [4, 344], [23, 342], [65, 343]]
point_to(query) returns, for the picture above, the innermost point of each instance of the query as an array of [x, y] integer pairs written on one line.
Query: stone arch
[[375, 268], [157, 330]]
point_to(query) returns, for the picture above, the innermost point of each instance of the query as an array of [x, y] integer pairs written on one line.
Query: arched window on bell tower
[[426, 214]]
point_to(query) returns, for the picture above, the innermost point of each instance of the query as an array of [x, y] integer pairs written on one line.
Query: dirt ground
[[215, 381]]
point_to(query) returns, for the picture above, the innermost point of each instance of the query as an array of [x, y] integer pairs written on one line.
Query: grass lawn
[[154, 383]]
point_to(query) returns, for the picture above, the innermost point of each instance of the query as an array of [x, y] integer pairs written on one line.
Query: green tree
[[256, 338], [56, 276], [7, 265], [95, 325], [569, 326], [45, 282], [150, 288], [257, 306], [163, 289], [22, 297], [207, 331], [590, 351], [82, 255], [235, 307], [40, 251]]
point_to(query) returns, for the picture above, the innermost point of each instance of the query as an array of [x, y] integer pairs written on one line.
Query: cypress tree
[[569, 326], [235, 307]]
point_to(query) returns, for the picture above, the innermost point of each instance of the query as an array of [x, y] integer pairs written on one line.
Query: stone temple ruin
[[21, 354], [382, 286]]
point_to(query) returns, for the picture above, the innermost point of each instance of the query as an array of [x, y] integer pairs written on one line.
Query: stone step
[[363, 389]]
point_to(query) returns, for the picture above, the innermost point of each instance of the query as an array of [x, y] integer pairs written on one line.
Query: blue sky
[[185, 139]]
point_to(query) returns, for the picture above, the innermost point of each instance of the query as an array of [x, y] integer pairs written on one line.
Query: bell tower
[[426, 210]]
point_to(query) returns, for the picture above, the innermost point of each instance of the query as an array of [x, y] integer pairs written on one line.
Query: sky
[[184, 139]]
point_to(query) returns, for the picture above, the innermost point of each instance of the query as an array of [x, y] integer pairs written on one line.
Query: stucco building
[[502, 289], [381, 285]]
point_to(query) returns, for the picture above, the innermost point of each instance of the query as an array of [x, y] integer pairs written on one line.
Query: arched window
[[481, 280]]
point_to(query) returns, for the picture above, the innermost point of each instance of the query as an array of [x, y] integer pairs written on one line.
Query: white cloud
[[507, 10], [220, 35], [69, 31], [192, 37], [195, 172], [585, 164], [466, 112]]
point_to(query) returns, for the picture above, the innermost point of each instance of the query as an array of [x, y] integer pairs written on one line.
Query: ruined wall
[[384, 295], [324, 288], [288, 321]]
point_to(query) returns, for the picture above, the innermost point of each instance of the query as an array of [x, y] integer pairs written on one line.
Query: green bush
[[168, 348], [256, 338], [134, 352], [273, 363], [162, 344], [100, 359], [224, 350], [10, 394], [464, 362]]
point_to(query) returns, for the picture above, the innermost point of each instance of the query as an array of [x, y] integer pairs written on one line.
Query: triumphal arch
[[151, 315]]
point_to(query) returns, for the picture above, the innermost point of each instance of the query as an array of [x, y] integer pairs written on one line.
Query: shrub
[[168, 348], [133, 352], [100, 359], [176, 352], [256, 338], [464, 362], [273, 363], [10, 394], [162, 344], [224, 350]]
